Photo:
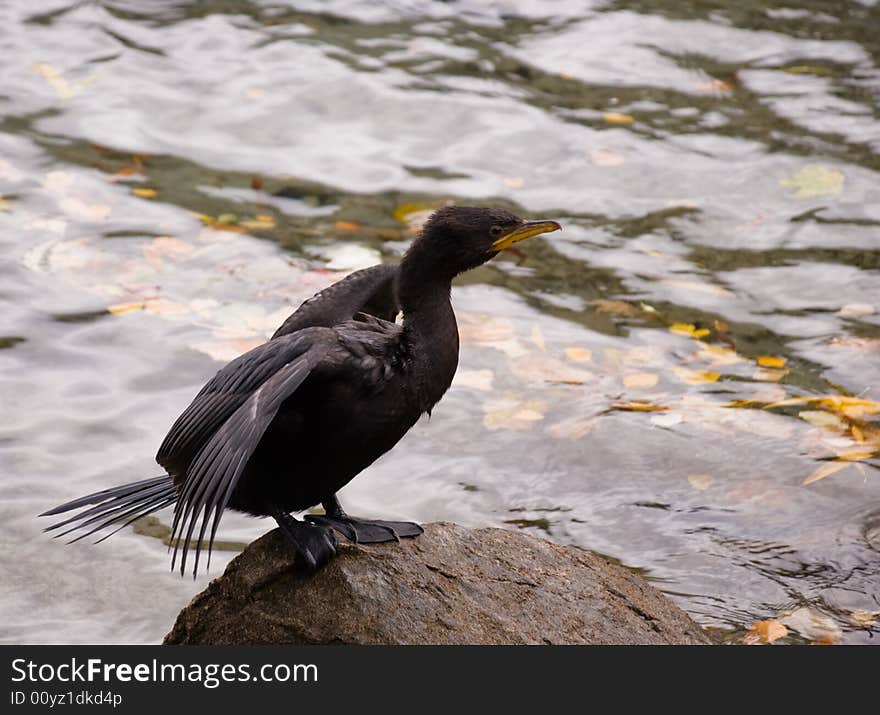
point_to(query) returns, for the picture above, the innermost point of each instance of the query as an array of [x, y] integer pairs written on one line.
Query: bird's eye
[[495, 231]]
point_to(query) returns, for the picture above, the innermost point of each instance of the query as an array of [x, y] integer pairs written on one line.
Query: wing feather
[[213, 474]]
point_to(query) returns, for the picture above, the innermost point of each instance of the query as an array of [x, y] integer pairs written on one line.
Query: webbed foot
[[314, 543], [366, 531]]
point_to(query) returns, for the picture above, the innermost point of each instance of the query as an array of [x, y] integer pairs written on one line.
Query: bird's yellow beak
[[524, 231]]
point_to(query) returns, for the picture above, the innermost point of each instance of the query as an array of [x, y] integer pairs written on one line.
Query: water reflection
[[656, 383]]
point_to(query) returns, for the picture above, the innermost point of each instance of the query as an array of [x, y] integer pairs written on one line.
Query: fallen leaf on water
[[637, 406], [815, 180], [541, 367], [508, 413], [481, 328], [856, 310], [606, 157], [826, 470], [812, 624], [256, 183], [770, 361], [863, 619], [413, 215], [700, 482], [144, 193], [615, 307], [347, 226], [618, 118], [474, 379], [120, 308], [54, 79], [808, 69], [696, 376], [698, 287], [154, 306], [4, 204], [514, 182], [538, 337], [261, 222], [579, 354], [573, 428], [763, 632], [820, 418], [717, 354], [715, 86], [225, 225], [853, 407], [640, 380], [124, 173], [166, 247], [688, 329]]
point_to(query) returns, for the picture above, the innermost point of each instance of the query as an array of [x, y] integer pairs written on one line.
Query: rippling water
[[176, 176]]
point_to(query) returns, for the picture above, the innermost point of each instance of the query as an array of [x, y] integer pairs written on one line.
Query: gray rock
[[449, 586]]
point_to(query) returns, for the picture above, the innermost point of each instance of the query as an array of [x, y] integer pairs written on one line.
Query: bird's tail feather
[[118, 505]]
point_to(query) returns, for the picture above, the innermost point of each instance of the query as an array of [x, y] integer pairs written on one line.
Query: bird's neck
[[430, 332]]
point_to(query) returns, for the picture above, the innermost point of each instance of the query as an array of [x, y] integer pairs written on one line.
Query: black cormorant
[[286, 425]]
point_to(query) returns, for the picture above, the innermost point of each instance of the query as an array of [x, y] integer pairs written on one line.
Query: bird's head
[[464, 237]]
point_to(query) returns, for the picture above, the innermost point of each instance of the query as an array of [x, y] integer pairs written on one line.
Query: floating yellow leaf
[[347, 226], [698, 287], [815, 180], [636, 406], [144, 193], [119, 308], [688, 329], [763, 632], [826, 470], [770, 361], [853, 407], [618, 118], [696, 376], [700, 482], [640, 380]]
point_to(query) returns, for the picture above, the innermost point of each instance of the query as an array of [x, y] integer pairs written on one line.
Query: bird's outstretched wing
[[228, 419], [369, 290]]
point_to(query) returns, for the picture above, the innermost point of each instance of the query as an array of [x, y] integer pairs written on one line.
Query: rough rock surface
[[451, 585]]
